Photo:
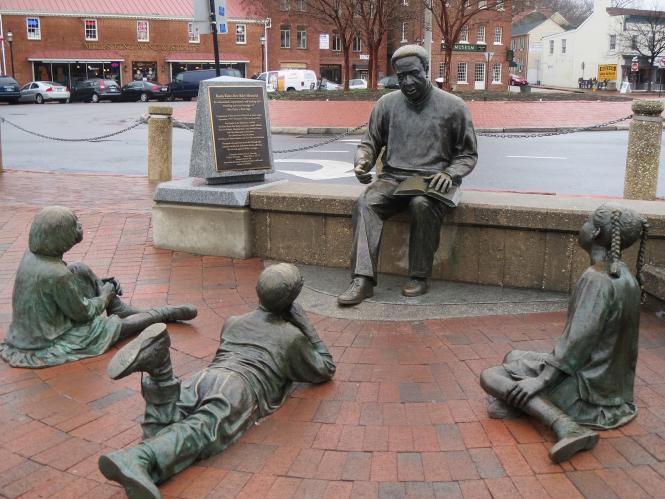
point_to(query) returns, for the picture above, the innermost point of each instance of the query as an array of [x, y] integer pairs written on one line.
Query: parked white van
[[289, 80]]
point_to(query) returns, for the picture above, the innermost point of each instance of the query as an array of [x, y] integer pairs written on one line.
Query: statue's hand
[[298, 318], [361, 170], [523, 391], [107, 292], [441, 182], [116, 284]]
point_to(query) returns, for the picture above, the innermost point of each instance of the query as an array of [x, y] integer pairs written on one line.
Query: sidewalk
[[299, 115], [404, 417]]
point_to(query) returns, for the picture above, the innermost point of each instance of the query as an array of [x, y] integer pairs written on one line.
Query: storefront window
[[42, 71], [144, 70], [71, 74], [94, 70], [179, 67], [142, 31]]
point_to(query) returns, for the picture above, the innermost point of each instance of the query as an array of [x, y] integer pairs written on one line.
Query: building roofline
[[617, 11], [153, 17]]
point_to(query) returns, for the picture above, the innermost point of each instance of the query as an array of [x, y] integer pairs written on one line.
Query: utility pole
[[428, 36], [215, 42]]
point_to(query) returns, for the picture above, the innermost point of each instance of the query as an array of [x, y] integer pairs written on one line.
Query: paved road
[[581, 163]]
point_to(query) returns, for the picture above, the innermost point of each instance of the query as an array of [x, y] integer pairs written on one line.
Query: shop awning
[[76, 56], [224, 57]]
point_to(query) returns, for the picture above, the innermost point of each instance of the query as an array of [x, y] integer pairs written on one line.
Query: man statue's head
[[278, 287], [410, 65]]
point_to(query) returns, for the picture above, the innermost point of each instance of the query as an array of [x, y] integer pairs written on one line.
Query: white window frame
[[139, 31], [336, 43], [480, 35], [241, 29], [285, 28], [301, 40], [613, 42], [462, 68], [479, 69], [357, 43], [285, 5], [193, 36], [405, 28], [500, 7], [495, 66], [464, 35], [442, 69], [482, 4], [37, 32], [563, 45], [85, 30], [498, 35], [551, 47], [301, 6]]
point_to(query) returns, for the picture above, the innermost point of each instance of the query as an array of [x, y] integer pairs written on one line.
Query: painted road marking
[[328, 170], [537, 157], [319, 150]]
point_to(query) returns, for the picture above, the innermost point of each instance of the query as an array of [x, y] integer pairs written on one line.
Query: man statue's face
[[411, 76]]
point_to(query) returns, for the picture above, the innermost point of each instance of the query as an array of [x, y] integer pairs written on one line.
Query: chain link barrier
[[507, 135], [139, 121], [188, 126]]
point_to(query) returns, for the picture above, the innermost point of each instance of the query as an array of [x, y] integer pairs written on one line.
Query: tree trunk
[[375, 66], [347, 61], [448, 72]]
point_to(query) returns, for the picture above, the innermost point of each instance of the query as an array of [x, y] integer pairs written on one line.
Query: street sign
[[607, 72], [634, 67], [220, 16], [201, 24]]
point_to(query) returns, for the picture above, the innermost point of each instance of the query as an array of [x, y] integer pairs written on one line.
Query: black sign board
[[239, 131]]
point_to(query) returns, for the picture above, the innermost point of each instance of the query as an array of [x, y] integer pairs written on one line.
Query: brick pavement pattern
[[404, 417], [496, 114]]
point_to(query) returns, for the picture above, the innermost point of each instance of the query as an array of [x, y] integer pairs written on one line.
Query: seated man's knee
[[494, 380]]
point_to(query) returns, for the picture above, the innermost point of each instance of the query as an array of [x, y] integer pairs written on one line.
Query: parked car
[[357, 83], [40, 92], [517, 80], [389, 82], [96, 89], [330, 85], [144, 91], [291, 80], [9, 90], [186, 84]]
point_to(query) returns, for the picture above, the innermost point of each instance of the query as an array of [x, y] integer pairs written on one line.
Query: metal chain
[[328, 141], [140, 121], [182, 124], [503, 135]]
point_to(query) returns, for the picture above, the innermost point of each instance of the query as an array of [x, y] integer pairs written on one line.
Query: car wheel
[[187, 98], [144, 97], [13, 101], [39, 99], [64, 101], [170, 98], [94, 99]]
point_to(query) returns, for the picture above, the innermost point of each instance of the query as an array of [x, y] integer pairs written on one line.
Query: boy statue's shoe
[[170, 313], [415, 286], [568, 446], [131, 473], [148, 352], [359, 289]]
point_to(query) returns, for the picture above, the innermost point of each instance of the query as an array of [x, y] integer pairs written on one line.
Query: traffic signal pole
[[215, 42]]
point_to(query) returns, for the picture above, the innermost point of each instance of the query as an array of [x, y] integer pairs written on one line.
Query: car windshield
[[7, 81]]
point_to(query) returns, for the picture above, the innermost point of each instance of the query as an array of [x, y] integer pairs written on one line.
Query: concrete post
[[1, 168], [643, 150], [160, 143]]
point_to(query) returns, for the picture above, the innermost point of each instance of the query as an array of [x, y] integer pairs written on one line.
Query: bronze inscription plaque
[[239, 132]]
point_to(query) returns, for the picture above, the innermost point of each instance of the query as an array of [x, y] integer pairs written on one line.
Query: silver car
[[42, 91]]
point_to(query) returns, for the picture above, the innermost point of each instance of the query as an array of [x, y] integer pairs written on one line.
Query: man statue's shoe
[[170, 313], [148, 352], [131, 472], [415, 287], [359, 289], [571, 444]]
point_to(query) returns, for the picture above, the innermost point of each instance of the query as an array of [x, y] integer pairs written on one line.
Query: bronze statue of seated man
[[57, 307], [260, 356], [586, 383]]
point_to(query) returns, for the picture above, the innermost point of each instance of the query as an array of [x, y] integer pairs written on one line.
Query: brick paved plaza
[[404, 417]]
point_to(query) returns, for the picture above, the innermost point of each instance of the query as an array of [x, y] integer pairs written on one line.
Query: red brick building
[[488, 31], [70, 40]]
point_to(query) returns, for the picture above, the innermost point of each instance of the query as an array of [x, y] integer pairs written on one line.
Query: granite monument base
[[195, 217]]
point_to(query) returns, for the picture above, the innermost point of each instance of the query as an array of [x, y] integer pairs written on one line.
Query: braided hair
[[623, 227]]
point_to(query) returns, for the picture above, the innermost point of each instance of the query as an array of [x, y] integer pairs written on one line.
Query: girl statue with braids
[[586, 382]]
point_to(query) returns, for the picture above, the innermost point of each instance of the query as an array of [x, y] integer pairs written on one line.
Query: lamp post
[[10, 40], [263, 54], [488, 58]]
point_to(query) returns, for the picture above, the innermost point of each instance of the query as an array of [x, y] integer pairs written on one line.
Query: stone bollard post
[[160, 143], [643, 157], [1, 168]]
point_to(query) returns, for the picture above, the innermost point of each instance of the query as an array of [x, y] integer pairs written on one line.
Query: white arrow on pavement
[[329, 169]]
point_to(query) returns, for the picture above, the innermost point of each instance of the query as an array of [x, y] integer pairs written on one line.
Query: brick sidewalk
[[496, 114], [404, 417]]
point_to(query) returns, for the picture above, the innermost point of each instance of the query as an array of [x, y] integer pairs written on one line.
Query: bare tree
[[336, 13], [643, 33], [451, 17], [574, 11], [373, 21]]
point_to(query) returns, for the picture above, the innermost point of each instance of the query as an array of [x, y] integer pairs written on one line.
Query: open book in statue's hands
[[419, 186]]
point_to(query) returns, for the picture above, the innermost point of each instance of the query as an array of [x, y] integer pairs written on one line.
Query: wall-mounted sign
[[466, 47], [364, 57]]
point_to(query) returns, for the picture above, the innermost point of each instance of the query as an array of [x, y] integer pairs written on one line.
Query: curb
[[340, 130]]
